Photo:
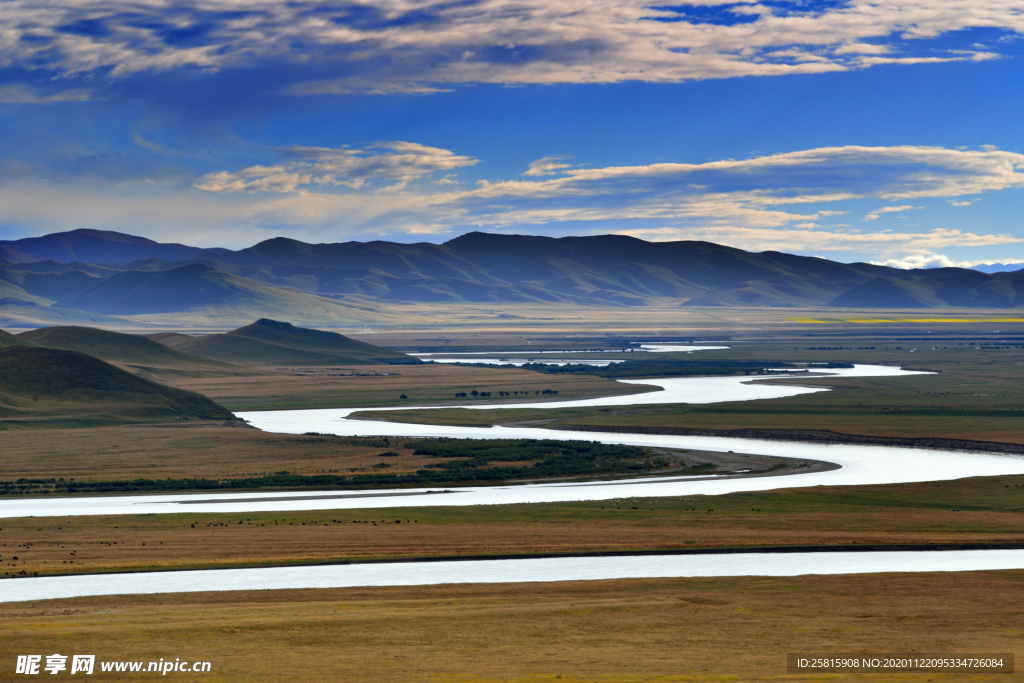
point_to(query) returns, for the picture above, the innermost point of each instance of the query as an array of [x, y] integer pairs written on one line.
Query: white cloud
[[749, 192], [305, 166], [940, 261], [546, 166], [965, 202], [877, 213], [781, 201], [409, 46]]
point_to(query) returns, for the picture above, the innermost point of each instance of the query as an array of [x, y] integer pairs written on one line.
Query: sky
[[877, 131]]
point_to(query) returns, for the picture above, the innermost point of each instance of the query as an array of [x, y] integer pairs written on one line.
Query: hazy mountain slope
[[11, 254], [55, 267], [272, 342], [509, 256], [400, 260], [887, 292], [53, 286], [10, 292], [196, 287], [783, 291], [31, 314], [73, 388]]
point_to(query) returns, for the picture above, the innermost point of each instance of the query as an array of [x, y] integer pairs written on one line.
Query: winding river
[[859, 464]]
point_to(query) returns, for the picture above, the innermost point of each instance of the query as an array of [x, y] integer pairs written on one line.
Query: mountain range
[[98, 276]]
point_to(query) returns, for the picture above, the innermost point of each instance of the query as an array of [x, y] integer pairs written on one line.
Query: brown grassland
[[627, 631], [977, 394], [735, 629], [978, 512], [341, 387]]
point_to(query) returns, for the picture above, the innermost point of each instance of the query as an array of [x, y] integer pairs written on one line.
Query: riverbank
[[822, 436], [981, 512]]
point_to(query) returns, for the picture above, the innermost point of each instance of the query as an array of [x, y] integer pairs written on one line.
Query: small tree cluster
[[484, 394]]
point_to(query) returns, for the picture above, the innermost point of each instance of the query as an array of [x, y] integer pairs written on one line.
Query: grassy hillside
[[137, 351], [68, 388], [8, 339], [272, 342]]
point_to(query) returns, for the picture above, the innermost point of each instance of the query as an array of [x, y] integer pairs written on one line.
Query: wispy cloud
[[751, 192], [877, 213], [753, 203], [19, 93], [547, 166], [412, 46], [325, 166], [786, 201]]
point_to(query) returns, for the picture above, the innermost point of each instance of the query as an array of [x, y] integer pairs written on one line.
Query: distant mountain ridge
[[288, 278], [94, 246]]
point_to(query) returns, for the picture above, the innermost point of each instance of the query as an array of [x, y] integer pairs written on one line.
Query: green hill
[[8, 339], [137, 351], [272, 342], [69, 388]]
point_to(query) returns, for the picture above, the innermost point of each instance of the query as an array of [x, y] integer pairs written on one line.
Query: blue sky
[[882, 131]]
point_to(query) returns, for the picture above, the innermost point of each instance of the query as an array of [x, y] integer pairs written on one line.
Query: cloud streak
[[751, 191], [779, 201], [417, 46], [325, 166], [787, 201]]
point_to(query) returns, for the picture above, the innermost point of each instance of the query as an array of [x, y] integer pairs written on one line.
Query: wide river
[[858, 464], [508, 571]]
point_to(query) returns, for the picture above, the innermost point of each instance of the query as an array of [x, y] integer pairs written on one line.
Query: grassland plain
[[671, 630], [977, 393], [300, 387], [977, 512], [682, 630]]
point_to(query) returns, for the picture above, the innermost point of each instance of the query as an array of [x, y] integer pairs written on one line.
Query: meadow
[[977, 512], [660, 630], [630, 630]]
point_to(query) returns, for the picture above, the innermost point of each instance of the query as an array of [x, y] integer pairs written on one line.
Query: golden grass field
[[210, 451], [983, 511], [609, 631], [343, 387], [627, 631]]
